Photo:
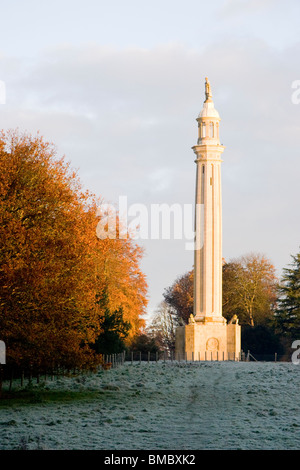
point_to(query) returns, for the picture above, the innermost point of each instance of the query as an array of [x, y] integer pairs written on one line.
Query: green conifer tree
[[287, 318], [115, 329]]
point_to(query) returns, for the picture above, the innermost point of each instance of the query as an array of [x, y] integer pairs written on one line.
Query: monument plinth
[[207, 335]]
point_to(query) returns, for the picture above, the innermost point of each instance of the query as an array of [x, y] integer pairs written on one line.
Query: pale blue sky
[[117, 85], [28, 26]]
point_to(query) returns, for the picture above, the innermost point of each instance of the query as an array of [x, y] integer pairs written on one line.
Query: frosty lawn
[[218, 405]]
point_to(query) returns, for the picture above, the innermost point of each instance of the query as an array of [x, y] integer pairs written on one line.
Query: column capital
[[205, 148]]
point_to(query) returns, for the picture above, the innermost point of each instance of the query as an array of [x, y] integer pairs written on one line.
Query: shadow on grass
[[36, 395]]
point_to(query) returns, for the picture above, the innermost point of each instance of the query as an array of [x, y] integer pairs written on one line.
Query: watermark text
[[156, 222], [2, 92], [296, 94]]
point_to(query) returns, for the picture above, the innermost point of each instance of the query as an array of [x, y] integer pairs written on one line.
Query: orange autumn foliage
[[120, 276], [52, 266]]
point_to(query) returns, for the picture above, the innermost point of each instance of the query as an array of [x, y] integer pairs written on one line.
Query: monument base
[[210, 339]]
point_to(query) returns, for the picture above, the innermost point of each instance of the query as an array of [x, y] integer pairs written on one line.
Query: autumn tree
[[53, 267], [249, 290], [179, 296], [231, 301], [47, 285], [120, 278]]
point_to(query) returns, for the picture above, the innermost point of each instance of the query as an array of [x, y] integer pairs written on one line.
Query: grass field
[[159, 406]]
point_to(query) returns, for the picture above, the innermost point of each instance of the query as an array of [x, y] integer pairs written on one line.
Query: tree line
[[68, 297], [268, 308], [60, 285]]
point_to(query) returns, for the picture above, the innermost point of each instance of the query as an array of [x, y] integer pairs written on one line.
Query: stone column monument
[[208, 336]]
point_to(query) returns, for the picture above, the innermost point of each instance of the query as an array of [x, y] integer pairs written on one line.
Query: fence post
[[140, 357], [275, 357], [131, 357], [11, 379], [192, 356]]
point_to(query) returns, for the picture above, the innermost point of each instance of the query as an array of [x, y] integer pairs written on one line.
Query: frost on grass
[[165, 406]]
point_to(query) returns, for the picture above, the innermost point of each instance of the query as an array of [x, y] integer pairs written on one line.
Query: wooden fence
[[170, 356], [131, 357]]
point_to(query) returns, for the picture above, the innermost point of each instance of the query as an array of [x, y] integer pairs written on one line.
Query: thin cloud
[[237, 7]]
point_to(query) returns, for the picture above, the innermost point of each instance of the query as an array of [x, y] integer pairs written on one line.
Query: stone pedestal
[[234, 340], [208, 340]]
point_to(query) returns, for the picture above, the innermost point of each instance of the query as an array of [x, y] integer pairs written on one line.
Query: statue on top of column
[[208, 94]]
